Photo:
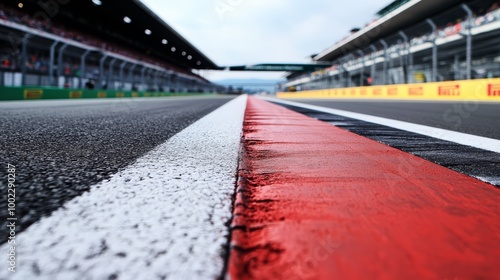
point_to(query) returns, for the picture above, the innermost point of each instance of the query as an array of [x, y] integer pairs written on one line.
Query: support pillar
[[361, 79], [122, 75], [24, 57], [101, 70], [52, 62], [407, 54], [60, 64], [83, 67], [373, 57], [131, 77], [468, 35], [386, 60], [434, 51]]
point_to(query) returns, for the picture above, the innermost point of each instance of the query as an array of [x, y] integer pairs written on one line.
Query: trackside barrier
[[32, 93], [470, 90]]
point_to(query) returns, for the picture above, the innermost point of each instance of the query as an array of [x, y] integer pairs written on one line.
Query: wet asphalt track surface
[[61, 148], [482, 119]]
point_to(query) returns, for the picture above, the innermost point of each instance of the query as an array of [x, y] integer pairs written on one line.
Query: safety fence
[[468, 90], [33, 93], [456, 44]]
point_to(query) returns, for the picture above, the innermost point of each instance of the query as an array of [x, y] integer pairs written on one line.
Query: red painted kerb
[[317, 202]]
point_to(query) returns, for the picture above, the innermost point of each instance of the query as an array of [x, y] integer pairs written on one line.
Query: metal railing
[[433, 50], [30, 56]]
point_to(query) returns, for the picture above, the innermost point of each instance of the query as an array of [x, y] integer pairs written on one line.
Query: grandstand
[[412, 41], [101, 44]]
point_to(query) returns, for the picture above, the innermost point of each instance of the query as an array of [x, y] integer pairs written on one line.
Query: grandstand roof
[[391, 7], [107, 18], [399, 16], [280, 67]]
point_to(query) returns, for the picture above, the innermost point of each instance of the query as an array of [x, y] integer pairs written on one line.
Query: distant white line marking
[[443, 134], [163, 217]]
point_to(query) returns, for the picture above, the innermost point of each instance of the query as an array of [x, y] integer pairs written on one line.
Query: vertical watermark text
[[11, 219]]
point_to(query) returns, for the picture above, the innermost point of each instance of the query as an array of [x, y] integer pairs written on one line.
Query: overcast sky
[[241, 32]]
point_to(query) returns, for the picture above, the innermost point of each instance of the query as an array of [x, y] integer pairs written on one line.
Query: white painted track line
[[163, 217], [443, 134]]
